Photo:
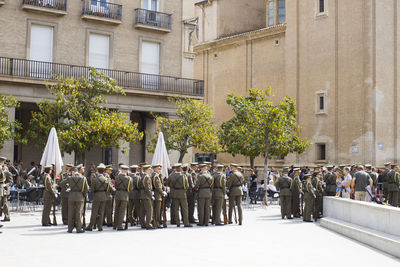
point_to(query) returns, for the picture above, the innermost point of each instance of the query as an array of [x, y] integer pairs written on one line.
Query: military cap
[[316, 173], [69, 165], [48, 167], [220, 166], [368, 165], [109, 167], [342, 166], [185, 165], [393, 165], [296, 169], [145, 167], [133, 166], [234, 165], [3, 158], [202, 165], [124, 167], [101, 166], [386, 164], [80, 166], [307, 175], [329, 166], [142, 164], [240, 168], [194, 163], [177, 165], [285, 169], [157, 166], [207, 162]]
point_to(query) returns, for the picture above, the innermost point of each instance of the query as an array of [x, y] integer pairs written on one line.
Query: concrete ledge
[[379, 240], [367, 214]]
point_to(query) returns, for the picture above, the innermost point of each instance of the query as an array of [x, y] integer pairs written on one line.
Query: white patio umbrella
[[161, 155], [52, 153]]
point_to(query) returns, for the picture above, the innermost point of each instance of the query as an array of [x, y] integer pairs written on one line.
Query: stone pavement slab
[[263, 240]]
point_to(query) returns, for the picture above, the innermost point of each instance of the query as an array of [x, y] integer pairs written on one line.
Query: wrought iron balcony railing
[[49, 71], [52, 4], [153, 18], [102, 9]]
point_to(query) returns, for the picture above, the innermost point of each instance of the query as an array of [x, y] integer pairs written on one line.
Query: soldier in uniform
[[319, 194], [108, 209], [393, 183], [6, 181], [99, 187], [179, 184], [134, 196], [158, 194], [218, 194], [170, 182], [146, 197], [309, 197], [234, 183], [123, 185], [190, 193], [78, 189], [64, 194], [204, 185], [296, 188], [385, 177], [49, 196], [330, 180], [284, 182]]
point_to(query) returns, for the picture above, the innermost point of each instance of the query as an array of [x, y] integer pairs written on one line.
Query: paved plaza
[[263, 240]]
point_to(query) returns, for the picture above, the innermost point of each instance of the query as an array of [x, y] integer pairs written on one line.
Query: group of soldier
[[300, 188], [137, 194]]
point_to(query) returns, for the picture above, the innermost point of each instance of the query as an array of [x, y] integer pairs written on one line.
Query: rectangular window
[[151, 5], [321, 151], [41, 49], [150, 64], [321, 6], [321, 103], [41, 43], [99, 51], [271, 13], [281, 11], [108, 156]]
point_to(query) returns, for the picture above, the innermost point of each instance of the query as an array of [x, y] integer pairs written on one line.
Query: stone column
[[150, 129], [8, 146], [123, 158]]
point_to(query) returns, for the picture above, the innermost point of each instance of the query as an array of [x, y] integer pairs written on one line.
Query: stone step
[[379, 240]]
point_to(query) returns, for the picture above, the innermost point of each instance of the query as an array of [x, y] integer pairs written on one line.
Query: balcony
[[55, 7], [29, 71], [102, 11], [152, 20]]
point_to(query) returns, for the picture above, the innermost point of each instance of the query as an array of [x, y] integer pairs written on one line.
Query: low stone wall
[[370, 223]]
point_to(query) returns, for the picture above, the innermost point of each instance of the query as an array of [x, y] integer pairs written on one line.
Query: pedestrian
[[384, 180], [393, 183], [360, 181], [179, 184], [158, 194], [296, 188], [330, 181], [190, 193], [319, 194], [110, 190], [146, 198], [253, 187], [64, 193]]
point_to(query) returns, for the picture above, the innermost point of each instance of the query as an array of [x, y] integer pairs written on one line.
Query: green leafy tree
[[260, 127], [8, 129], [80, 115], [194, 127]]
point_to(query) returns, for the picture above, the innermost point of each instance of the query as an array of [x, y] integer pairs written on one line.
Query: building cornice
[[245, 36]]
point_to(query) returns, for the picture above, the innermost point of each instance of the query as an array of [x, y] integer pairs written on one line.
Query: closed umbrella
[[52, 153], [161, 155]]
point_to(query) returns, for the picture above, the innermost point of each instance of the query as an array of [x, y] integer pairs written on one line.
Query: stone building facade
[[338, 59], [137, 42]]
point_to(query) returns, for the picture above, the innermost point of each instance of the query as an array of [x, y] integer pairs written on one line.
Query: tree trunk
[[181, 155], [252, 163], [266, 157]]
